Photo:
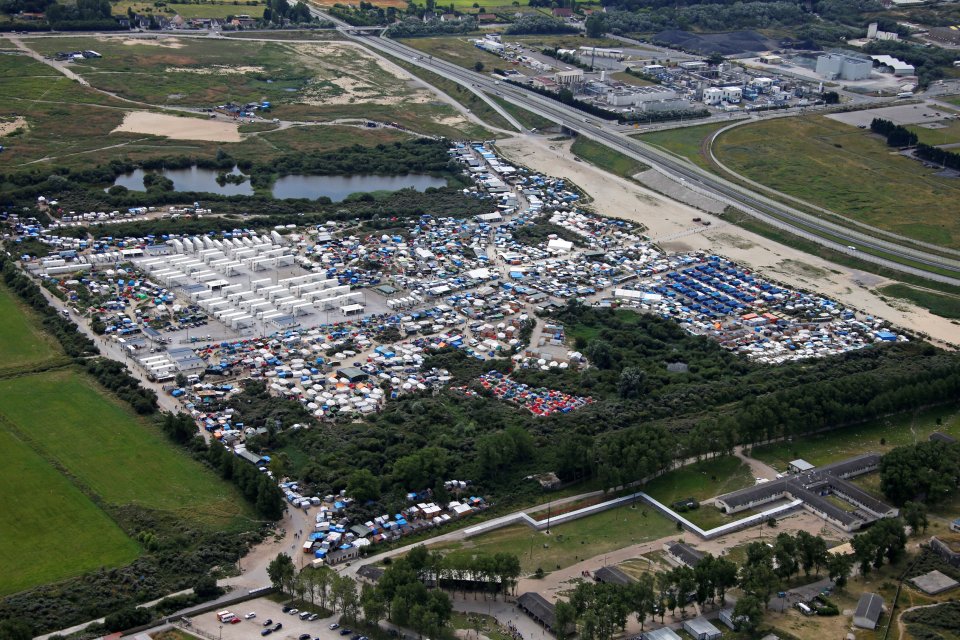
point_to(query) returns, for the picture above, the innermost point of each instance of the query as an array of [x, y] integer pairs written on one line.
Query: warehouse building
[[840, 66]]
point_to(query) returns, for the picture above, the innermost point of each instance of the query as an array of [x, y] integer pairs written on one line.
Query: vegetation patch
[[113, 454], [878, 435], [945, 305], [606, 158], [21, 342], [849, 171], [42, 512], [701, 480]]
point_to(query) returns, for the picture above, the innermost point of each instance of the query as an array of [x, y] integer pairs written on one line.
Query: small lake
[[339, 187], [192, 179], [336, 188]]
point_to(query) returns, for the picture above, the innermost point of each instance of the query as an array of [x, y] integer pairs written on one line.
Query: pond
[[339, 187], [192, 179], [295, 186]]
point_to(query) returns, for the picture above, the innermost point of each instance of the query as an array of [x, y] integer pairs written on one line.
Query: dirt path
[[757, 468], [671, 221]]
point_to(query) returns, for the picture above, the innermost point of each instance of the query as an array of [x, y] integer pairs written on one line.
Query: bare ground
[[177, 128], [670, 222]]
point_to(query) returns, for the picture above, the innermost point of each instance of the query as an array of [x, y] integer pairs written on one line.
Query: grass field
[[701, 480], [117, 456], [849, 171], [629, 78], [606, 158], [949, 134], [574, 541], [205, 9], [50, 530], [684, 141], [941, 304], [832, 446], [72, 124], [526, 118], [21, 342]]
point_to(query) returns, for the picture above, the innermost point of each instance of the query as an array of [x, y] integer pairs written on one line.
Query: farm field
[[606, 158], [205, 9], [21, 342], [832, 446], [110, 452], [569, 543], [848, 171], [42, 510], [684, 141]]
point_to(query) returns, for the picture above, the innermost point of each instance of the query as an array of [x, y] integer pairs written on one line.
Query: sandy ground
[[177, 128], [9, 126], [169, 43], [217, 69], [670, 223]]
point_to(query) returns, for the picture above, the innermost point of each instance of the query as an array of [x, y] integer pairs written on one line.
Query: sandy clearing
[[177, 128], [169, 43], [217, 69], [9, 126], [670, 222]]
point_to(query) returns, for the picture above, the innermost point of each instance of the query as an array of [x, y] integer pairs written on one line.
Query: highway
[[808, 226]]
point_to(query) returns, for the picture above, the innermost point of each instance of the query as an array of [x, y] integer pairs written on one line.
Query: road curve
[[807, 226]]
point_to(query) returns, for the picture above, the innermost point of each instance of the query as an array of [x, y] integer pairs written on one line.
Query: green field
[[50, 530], [848, 171], [21, 342], [684, 141], [941, 304], [701, 480], [570, 543], [948, 134], [606, 158], [204, 9], [832, 446], [111, 452]]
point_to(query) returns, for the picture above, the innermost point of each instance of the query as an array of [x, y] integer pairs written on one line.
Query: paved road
[[808, 226]]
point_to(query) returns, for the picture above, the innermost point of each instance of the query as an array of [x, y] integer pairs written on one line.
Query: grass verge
[[942, 305], [876, 435], [606, 158]]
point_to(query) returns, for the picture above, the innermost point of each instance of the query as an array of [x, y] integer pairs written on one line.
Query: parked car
[[286, 608], [250, 616], [267, 622], [334, 626], [266, 632], [293, 612], [304, 615], [278, 626], [346, 632], [314, 616], [304, 636]]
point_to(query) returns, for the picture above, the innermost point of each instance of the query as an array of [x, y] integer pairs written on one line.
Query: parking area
[[266, 609], [904, 114]]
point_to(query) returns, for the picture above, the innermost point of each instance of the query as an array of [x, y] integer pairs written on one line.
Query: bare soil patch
[[9, 126], [177, 128]]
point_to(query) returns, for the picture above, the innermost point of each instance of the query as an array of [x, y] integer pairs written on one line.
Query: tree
[[206, 588], [915, 515], [757, 577], [811, 550], [15, 630], [565, 617], [724, 576], [839, 566], [715, 59], [633, 382], [748, 612], [478, 66], [595, 25], [785, 555], [363, 486], [281, 572], [374, 608], [831, 97]]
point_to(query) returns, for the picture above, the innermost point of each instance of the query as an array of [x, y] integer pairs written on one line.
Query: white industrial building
[[716, 95], [897, 66], [839, 66]]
